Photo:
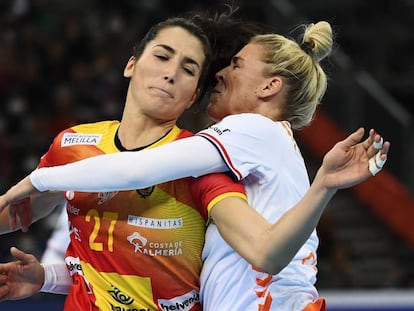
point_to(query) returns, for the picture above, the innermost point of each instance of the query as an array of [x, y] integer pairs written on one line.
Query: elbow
[[271, 267], [269, 263]]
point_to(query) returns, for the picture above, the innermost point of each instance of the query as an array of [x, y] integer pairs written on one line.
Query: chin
[[211, 113]]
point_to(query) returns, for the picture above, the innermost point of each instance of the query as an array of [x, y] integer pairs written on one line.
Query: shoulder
[[101, 126], [247, 125], [97, 128], [246, 122]]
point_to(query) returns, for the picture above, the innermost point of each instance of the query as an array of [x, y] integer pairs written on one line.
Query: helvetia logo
[[182, 303]]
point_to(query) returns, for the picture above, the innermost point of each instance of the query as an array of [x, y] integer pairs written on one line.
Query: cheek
[[188, 89]]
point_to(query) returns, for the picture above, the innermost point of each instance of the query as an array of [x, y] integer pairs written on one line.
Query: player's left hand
[[351, 161]]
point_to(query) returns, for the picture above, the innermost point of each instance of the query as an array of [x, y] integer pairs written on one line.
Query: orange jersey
[[140, 249]]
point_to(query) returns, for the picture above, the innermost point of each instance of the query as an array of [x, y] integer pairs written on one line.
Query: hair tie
[[307, 47]]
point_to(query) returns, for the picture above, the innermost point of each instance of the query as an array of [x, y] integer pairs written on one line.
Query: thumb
[[20, 255], [353, 138]]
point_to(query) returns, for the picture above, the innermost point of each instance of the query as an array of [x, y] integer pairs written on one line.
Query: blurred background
[[61, 63]]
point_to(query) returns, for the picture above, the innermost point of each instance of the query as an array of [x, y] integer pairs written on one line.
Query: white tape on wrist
[[57, 279], [375, 163]]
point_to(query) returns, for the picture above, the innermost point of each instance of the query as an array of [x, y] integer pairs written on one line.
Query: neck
[[138, 130]]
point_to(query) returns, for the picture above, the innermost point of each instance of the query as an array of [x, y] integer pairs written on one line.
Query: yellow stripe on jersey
[[223, 196], [121, 297]]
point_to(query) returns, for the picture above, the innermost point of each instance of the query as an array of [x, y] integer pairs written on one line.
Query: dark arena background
[[61, 63]]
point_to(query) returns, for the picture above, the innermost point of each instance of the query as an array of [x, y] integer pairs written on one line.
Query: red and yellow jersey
[[139, 249]]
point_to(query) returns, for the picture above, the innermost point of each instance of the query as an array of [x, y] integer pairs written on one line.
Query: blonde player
[[272, 86]]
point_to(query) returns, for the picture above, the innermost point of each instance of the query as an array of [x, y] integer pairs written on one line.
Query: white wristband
[[57, 279]]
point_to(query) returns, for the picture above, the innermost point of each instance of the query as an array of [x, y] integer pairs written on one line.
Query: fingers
[[24, 212], [3, 203], [378, 144], [4, 289], [12, 217], [378, 153], [353, 138], [20, 210], [376, 163]]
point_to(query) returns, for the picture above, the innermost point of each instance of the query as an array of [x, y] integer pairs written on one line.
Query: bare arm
[[272, 246], [29, 210]]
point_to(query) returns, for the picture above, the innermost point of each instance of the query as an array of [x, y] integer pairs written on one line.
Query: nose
[[220, 75], [170, 73], [169, 78]]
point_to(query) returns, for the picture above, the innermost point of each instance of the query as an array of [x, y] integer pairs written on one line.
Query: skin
[[242, 87], [163, 83], [20, 279], [344, 166]]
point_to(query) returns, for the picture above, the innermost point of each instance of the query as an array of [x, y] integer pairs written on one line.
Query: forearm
[[283, 239], [192, 156], [270, 246]]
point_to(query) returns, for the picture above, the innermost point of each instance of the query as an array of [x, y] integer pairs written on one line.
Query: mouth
[[161, 92]]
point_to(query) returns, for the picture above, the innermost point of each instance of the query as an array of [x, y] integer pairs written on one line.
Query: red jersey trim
[[224, 154]]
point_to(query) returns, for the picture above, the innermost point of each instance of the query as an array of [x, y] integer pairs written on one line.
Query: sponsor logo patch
[[182, 303], [71, 139], [119, 296], [155, 223], [219, 130], [105, 196], [74, 266], [143, 246]]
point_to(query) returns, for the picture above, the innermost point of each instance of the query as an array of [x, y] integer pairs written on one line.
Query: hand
[[21, 278], [347, 163], [21, 210], [21, 190]]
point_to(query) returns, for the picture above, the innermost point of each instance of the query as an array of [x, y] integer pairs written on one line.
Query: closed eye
[[189, 71], [162, 57], [235, 62]]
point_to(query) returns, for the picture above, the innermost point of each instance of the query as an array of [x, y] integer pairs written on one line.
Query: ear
[[270, 87], [129, 68], [194, 97]]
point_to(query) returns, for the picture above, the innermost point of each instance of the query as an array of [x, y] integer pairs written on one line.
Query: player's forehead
[[177, 40]]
